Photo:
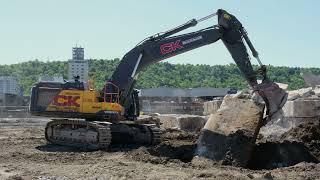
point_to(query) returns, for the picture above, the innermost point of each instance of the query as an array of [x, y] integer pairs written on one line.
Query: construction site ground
[[25, 154]]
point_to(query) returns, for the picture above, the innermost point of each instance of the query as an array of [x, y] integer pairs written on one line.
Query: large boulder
[[190, 123], [211, 107], [229, 134]]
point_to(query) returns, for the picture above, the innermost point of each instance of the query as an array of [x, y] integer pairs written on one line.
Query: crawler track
[[80, 134], [94, 135]]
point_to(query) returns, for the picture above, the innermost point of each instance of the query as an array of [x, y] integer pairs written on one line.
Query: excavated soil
[[300, 144], [271, 155], [234, 149], [24, 154], [308, 134], [177, 146]]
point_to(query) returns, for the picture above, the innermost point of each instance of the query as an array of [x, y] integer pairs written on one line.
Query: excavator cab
[[111, 93]]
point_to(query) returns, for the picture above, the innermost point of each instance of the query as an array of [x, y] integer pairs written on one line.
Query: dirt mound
[[164, 153], [174, 134], [304, 132], [182, 151], [271, 155], [177, 146], [25, 154], [299, 144], [180, 147], [234, 149], [308, 134]]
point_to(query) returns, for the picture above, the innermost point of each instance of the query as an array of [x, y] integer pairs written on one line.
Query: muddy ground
[[24, 154]]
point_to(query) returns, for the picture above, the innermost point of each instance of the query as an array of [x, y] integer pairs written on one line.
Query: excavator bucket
[[273, 95]]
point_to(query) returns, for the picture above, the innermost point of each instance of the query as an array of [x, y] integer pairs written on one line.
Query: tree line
[[157, 75]]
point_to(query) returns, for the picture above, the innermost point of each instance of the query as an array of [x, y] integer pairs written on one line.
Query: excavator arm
[[162, 46]]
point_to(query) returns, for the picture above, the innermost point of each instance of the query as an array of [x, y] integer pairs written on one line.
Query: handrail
[[112, 96]]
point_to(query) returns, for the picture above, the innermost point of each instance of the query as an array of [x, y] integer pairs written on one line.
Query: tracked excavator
[[94, 119]]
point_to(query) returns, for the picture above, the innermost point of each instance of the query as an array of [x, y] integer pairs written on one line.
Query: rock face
[[303, 106], [229, 134], [211, 107], [292, 135], [190, 123]]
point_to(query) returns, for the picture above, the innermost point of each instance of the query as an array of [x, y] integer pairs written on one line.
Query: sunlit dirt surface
[[25, 154]]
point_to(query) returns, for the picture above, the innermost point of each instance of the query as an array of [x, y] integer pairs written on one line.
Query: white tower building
[[78, 66]]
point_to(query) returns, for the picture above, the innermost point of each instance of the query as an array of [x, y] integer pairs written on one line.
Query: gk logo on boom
[[170, 47]]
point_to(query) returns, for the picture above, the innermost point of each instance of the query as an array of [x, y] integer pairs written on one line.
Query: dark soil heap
[[308, 134], [300, 144]]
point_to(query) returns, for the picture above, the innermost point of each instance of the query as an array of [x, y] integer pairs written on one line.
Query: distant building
[[9, 85], [167, 100], [78, 66], [163, 92], [50, 79]]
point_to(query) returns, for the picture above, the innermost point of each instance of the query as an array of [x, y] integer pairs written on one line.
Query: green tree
[[157, 75]]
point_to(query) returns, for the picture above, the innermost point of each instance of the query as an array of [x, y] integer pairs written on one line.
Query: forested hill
[[160, 74]]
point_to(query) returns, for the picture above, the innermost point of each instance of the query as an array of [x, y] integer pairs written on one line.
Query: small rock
[[268, 175], [304, 92], [250, 176], [189, 123]]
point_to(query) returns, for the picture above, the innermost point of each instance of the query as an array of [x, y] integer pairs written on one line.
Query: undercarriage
[[94, 135]]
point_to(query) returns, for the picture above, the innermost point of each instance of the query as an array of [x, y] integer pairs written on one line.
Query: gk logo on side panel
[[62, 100]]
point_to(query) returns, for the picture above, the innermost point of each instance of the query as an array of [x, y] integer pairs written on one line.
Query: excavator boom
[[162, 46]]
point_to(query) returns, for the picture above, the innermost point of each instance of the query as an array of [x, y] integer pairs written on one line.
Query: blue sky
[[285, 33]]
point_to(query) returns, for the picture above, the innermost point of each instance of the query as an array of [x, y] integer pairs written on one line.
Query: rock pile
[[292, 135], [303, 106], [232, 133]]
